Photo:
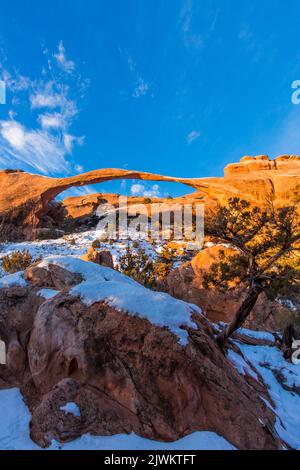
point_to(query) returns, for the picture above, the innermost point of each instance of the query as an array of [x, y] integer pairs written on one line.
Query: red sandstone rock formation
[[124, 373], [186, 283], [25, 198]]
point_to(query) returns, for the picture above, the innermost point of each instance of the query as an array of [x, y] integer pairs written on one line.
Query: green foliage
[[286, 317], [96, 244], [137, 265], [17, 261], [48, 234], [69, 225], [267, 245], [147, 200], [164, 263]]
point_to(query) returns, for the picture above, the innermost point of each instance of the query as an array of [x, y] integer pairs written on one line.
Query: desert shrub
[[164, 263], [147, 200], [285, 317], [96, 244], [48, 234], [266, 258], [17, 261], [69, 225], [137, 265]]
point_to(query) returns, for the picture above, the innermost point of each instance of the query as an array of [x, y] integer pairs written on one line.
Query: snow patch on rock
[[47, 293], [123, 293], [12, 280], [72, 409]]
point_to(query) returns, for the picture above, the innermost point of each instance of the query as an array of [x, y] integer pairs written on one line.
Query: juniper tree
[[266, 258]]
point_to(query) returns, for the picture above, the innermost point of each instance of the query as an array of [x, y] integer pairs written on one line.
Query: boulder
[[186, 283], [97, 256], [124, 372]]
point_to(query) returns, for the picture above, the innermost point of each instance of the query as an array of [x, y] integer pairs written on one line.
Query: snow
[[14, 423], [268, 361], [71, 408], [104, 284], [240, 364], [203, 440], [263, 335], [11, 280], [47, 293], [123, 293], [260, 335], [14, 434], [64, 247]]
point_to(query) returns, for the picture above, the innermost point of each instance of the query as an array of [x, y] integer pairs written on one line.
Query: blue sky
[[178, 87]]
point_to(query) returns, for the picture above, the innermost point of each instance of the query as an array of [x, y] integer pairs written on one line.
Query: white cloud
[[142, 87], [45, 146], [52, 121], [54, 96], [192, 38], [79, 168], [70, 140], [154, 191], [138, 189], [31, 149], [67, 65], [16, 82], [45, 100], [192, 136]]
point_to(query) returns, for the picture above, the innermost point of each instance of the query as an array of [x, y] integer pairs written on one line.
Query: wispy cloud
[[45, 146], [192, 136], [142, 87], [67, 65], [31, 149], [191, 37]]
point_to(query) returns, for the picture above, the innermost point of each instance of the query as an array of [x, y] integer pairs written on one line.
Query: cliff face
[[25, 198]]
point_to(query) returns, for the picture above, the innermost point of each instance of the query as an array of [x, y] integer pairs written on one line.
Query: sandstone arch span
[[25, 197]]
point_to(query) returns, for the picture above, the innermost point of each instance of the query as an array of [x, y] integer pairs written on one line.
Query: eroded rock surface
[[124, 372], [26, 199], [186, 283]]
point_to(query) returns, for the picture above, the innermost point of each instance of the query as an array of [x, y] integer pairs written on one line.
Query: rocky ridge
[[25, 199]]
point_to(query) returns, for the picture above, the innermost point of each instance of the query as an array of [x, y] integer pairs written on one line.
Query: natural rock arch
[[25, 198]]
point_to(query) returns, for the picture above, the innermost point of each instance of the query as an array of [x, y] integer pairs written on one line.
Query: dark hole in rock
[[73, 366]]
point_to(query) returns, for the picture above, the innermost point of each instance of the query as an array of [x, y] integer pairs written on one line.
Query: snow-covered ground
[[281, 377], [14, 433], [77, 245], [283, 381], [66, 247], [123, 293]]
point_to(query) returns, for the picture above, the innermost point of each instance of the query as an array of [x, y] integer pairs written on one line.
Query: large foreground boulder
[[126, 359]]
